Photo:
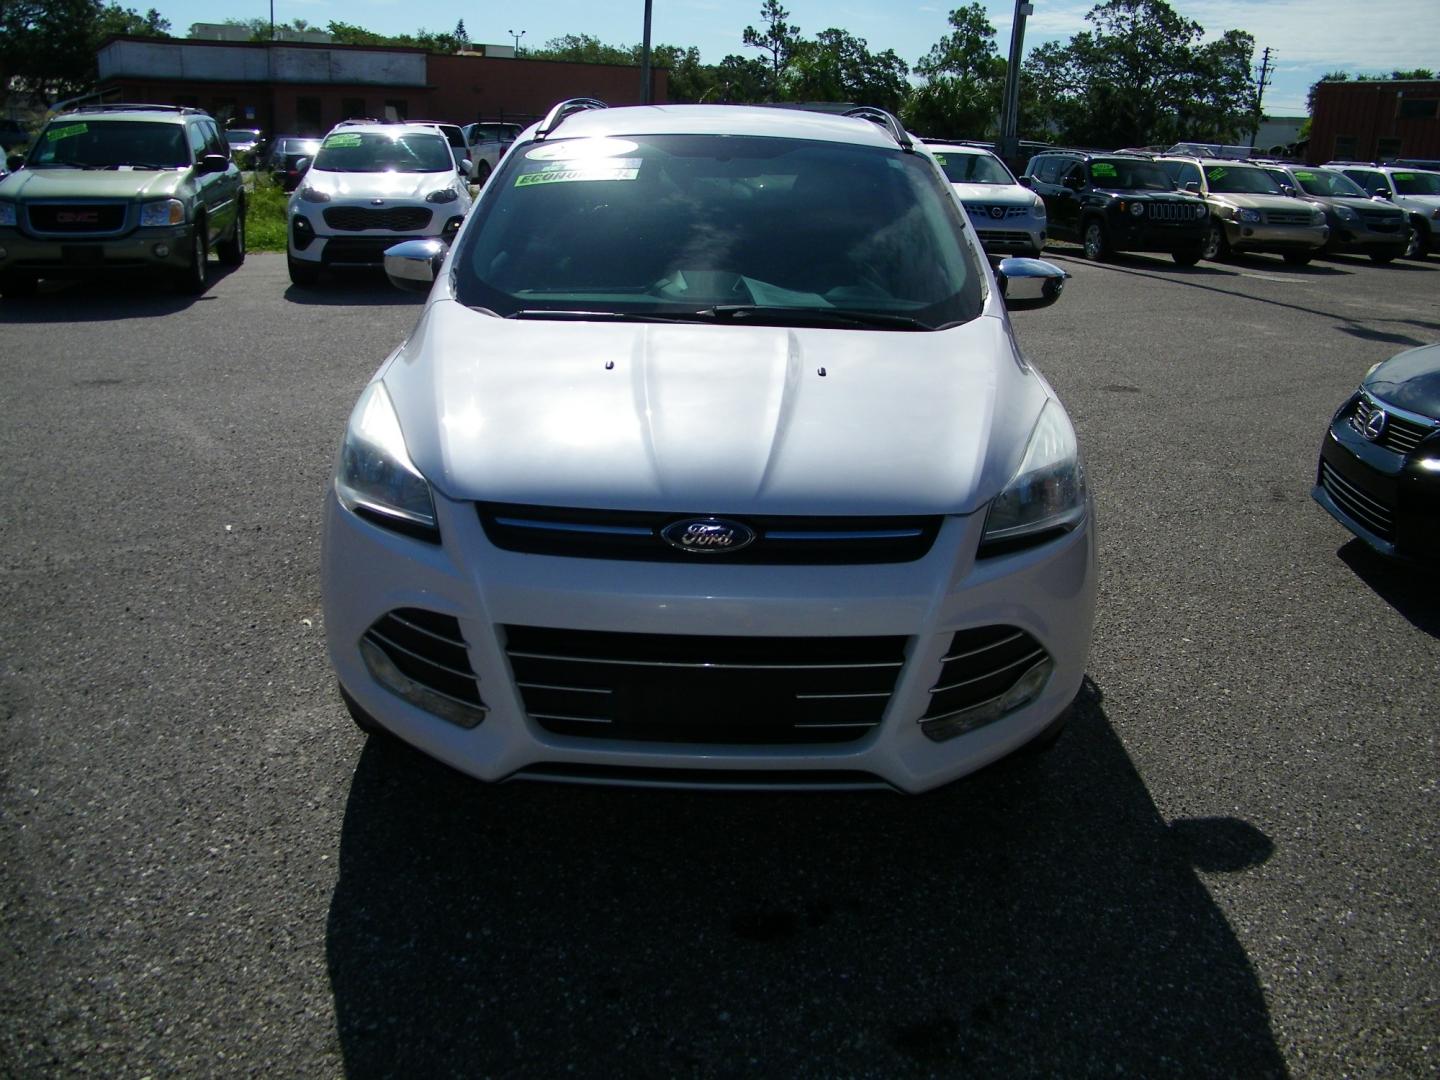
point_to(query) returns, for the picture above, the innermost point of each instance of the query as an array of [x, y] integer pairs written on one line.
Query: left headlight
[[1249, 216], [7, 213], [1047, 494], [443, 195], [1345, 213], [1318, 217], [312, 195], [163, 212], [376, 478], [1039, 208]]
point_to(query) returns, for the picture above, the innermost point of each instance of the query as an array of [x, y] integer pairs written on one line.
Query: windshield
[[240, 135], [110, 144], [1331, 184], [1416, 183], [368, 151], [1127, 174], [1240, 180], [700, 226], [973, 169]]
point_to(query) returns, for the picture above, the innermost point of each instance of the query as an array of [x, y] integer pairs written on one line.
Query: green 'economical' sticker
[[1304, 175], [352, 139], [575, 171], [1404, 176], [1102, 168], [1216, 173], [56, 134], [940, 159]]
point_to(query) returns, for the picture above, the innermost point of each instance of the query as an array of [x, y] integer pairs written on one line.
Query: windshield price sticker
[[1216, 173], [1404, 176], [1102, 168], [56, 134], [1304, 175], [940, 159], [574, 171], [352, 139]]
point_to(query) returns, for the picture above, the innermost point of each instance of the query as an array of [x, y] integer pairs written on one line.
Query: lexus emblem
[[707, 536], [997, 212], [1375, 425]]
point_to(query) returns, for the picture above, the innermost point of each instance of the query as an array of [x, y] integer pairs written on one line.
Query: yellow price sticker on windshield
[[56, 134]]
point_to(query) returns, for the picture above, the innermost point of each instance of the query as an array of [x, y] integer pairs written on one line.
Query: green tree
[[778, 38], [584, 49], [836, 66], [47, 47], [461, 37], [741, 80], [965, 79]]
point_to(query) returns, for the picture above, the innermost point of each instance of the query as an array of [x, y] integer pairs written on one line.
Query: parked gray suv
[[1358, 223]]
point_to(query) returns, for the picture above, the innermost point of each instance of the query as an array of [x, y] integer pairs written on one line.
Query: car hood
[[93, 183], [1416, 202], [995, 194], [1410, 381], [1262, 202], [713, 419], [377, 185]]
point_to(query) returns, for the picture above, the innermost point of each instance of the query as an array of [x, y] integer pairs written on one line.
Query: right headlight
[[1248, 216], [1047, 494], [312, 195], [376, 478], [163, 212]]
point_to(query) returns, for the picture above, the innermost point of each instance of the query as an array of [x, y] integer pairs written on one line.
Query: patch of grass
[[265, 221]]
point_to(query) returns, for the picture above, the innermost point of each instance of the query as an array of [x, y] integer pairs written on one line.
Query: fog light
[[162, 250], [422, 697], [1026, 689]]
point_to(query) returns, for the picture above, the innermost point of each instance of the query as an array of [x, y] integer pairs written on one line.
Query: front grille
[[1369, 511], [1400, 435], [990, 212], [357, 250], [635, 535], [1287, 217], [698, 689], [1382, 220], [1172, 211], [428, 648], [76, 218], [980, 665], [390, 218]]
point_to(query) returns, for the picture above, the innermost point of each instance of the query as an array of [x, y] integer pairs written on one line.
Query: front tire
[[1383, 257], [1297, 258], [1187, 256], [1216, 247], [1418, 246], [482, 173], [1096, 241], [232, 251], [306, 275], [195, 277]]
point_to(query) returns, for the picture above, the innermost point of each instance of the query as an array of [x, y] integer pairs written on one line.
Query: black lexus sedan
[[1379, 472]]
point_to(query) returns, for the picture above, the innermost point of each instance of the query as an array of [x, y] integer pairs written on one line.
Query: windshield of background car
[[973, 168], [241, 135], [675, 226], [1416, 183], [366, 151], [1240, 180], [1329, 184], [1121, 174], [500, 132], [110, 144]]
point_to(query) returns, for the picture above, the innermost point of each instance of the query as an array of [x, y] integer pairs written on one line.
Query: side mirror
[[464, 167], [413, 265], [1382, 193], [1027, 182], [1193, 187], [1286, 189], [1027, 284], [1073, 183], [212, 163], [15, 162], [302, 166]]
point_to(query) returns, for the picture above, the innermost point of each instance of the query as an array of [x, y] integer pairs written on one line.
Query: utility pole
[[645, 90], [1010, 107], [1265, 76]]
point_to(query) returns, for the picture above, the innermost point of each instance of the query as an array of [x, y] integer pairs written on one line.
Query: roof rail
[[183, 110], [556, 116], [888, 122]]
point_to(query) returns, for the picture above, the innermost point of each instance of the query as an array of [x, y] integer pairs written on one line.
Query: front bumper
[[1047, 592], [1010, 236], [78, 256], [1277, 239], [1356, 236], [311, 240], [1131, 234]]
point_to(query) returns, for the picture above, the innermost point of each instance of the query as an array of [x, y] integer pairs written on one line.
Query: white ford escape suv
[[711, 461]]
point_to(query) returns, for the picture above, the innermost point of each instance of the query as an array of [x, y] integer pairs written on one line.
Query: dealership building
[[306, 88], [1375, 121]]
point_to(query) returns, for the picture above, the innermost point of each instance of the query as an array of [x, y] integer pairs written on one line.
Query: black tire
[[1298, 258], [306, 275], [194, 279], [1418, 245], [1215, 246], [1096, 241], [232, 251], [363, 720], [1188, 256], [16, 285], [1383, 257], [482, 173]]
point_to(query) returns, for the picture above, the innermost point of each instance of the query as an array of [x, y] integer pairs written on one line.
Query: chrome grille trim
[[1403, 430], [981, 665], [575, 527], [379, 638], [1027, 660], [983, 648], [1172, 211], [1370, 513], [563, 689], [1286, 217], [700, 666], [438, 670]]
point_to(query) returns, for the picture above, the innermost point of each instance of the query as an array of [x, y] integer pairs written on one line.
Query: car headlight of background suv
[[1046, 497], [443, 195], [1317, 217], [375, 478], [1250, 217], [1345, 213], [163, 212], [310, 195], [1039, 208]]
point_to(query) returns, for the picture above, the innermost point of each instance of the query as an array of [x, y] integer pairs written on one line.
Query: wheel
[[1216, 247], [1417, 247], [363, 720], [1187, 256], [1297, 258], [13, 285], [482, 173], [1383, 257], [302, 273], [1097, 244], [196, 276], [232, 251]]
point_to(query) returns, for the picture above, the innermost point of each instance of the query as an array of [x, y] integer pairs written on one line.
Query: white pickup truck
[[487, 142]]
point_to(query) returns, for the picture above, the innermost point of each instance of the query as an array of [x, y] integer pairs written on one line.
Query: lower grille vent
[[980, 665], [1368, 511], [429, 649], [694, 689]]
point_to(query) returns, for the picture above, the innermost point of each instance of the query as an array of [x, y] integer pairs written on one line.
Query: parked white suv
[[712, 461], [370, 187], [1008, 217], [487, 143]]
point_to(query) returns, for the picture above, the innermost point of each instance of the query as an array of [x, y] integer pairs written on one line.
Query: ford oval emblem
[[707, 536]]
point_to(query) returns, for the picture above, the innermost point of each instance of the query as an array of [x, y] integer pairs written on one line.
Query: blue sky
[[1307, 37]]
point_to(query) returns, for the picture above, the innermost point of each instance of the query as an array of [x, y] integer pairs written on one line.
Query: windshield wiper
[[804, 316], [570, 314]]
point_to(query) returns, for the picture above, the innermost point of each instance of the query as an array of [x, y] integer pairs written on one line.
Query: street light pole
[[1010, 110], [645, 91], [517, 38]]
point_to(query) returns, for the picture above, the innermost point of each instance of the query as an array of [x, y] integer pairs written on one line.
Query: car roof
[[958, 148], [722, 120], [155, 116], [382, 128]]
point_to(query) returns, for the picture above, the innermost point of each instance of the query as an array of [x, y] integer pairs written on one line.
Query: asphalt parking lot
[[1226, 867]]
